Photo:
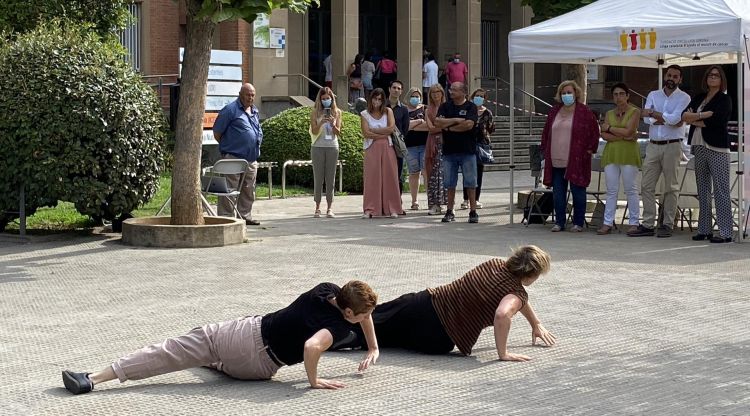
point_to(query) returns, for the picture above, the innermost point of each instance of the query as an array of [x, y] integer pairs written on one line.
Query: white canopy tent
[[641, 33]]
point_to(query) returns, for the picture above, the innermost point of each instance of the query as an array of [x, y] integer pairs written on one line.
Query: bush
[[76, 124], [286, 137]]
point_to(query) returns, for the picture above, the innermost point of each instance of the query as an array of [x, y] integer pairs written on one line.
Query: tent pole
[[512, 102], [660, 65], [740, 150]]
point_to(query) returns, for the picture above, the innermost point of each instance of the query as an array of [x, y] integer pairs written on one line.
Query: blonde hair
[[576, 88], [318, 102], [436, 87], [412, 90], [528, 261], [357, 296]]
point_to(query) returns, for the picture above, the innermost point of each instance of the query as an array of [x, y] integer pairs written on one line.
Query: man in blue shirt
[[237, 129]]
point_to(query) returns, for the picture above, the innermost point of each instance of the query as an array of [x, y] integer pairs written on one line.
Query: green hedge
[[76, 124], [286, 137]]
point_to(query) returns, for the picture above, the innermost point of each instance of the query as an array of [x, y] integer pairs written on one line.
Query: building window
[[131, 37], [490, 47]]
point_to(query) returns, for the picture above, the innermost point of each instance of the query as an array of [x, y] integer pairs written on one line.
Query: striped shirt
[[467, 306]]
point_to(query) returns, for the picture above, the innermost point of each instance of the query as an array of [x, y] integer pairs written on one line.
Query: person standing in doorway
[[456, 70], [328, 66], [238, 131], [663, 113], [429, 76]]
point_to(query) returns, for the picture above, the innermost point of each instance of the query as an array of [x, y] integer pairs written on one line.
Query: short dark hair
[[396, 81], [620, 85], [675, 66]]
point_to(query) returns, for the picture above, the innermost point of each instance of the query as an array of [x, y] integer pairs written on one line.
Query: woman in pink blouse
[[570, 136]]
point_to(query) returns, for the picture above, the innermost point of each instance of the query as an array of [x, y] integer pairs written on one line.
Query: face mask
[[456, 60], [414, 101], [326, 103], [478, 101], [568, 99]]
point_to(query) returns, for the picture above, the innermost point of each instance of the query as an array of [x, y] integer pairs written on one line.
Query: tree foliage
[[248, 10], [286, 137], [547, 9], [105, 16], [76, 124]]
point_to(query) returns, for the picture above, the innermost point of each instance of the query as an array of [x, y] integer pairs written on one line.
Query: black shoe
[[701, 237], [252, 222], [473, 217], [448, 216], [641, 231], [721, 240], [77, 383], [664, 231]]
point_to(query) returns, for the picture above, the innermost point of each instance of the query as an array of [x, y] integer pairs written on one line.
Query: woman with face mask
[[483, 129], [325, 129], [570, 137], [416, 140]]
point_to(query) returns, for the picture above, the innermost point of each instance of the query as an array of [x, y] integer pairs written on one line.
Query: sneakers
[[435, 210], [366, 215], [317, 214], [473, 217], [556, 228], [641, 231], [576, 229], [664, 231], [479, 205], [465, 205], [449, 217], [394, 215], [330, 214], [77, 383]]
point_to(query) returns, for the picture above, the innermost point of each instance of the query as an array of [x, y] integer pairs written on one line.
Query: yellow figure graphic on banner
[[624, 40], [642, 38], [652, 39]]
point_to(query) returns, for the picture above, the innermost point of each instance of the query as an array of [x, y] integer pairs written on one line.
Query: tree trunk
[[186, 202], [577, 73]]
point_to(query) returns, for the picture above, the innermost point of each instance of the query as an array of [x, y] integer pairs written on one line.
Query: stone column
[[520, 18], [409, 43], [344, 44], [469, 37], [298, 53]]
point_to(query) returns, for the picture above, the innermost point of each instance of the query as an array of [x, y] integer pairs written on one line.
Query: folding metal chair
[[214, 182]]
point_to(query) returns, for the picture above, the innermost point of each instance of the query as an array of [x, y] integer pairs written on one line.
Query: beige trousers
[[661, 159], [233, 347]]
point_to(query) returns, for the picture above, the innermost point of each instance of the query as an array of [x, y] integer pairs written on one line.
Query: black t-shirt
[[287, 330], [416, 138], [458, 142], [400, 116]]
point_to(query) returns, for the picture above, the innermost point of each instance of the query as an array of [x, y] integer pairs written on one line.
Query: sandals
[[604, 230], [330, 214], [317, 214], [415, 206]]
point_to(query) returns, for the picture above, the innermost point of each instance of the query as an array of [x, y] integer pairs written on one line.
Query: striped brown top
[[466, 306]]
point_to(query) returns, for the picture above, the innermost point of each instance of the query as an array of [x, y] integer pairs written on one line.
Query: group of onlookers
[[571, 136]]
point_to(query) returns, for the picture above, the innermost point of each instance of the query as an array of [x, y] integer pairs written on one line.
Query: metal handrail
[[302, 77], [521, 90]]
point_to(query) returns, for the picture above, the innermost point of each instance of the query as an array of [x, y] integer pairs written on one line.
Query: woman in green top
[[621, 156]]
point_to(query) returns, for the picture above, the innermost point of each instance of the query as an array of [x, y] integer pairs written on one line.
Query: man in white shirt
[[329, 71], [663, 113], [429, 76]]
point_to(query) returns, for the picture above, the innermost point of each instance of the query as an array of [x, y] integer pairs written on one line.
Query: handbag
[[484, 153], [356, 84], [399, 146]]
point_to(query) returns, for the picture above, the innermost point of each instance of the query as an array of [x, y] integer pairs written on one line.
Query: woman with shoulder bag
[[483, 129], [325, 129]]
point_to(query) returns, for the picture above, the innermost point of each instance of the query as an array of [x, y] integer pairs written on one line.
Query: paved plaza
[[644, 325]]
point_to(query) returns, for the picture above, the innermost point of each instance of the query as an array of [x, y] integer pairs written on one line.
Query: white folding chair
[[214, 182]]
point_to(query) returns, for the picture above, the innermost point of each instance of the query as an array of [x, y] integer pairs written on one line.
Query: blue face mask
[[568, 99], [326, 103], [414, 101], [478, 101]]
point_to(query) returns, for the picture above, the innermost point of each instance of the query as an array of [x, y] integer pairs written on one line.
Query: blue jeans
[[468, 164], [560, 198]]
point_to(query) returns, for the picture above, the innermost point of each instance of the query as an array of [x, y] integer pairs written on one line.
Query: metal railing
[[521, 90], [157, 82], [302, 79]]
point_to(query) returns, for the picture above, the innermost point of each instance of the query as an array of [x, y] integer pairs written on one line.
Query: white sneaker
[[479, 205], [435, 210], [394, 215], [465, 205], [366, 216]]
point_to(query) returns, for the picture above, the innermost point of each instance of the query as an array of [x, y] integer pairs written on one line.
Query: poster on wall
[[261, 31], [277, 36]]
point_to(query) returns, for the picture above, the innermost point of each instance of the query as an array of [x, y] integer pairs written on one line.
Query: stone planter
[[157, 232]]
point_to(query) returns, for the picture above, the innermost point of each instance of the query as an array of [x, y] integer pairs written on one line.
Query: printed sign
[[209, 119], [261, 31], [277, 37]]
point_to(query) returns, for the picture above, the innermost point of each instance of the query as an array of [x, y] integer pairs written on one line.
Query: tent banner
[[746, 100], [673, 40]]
